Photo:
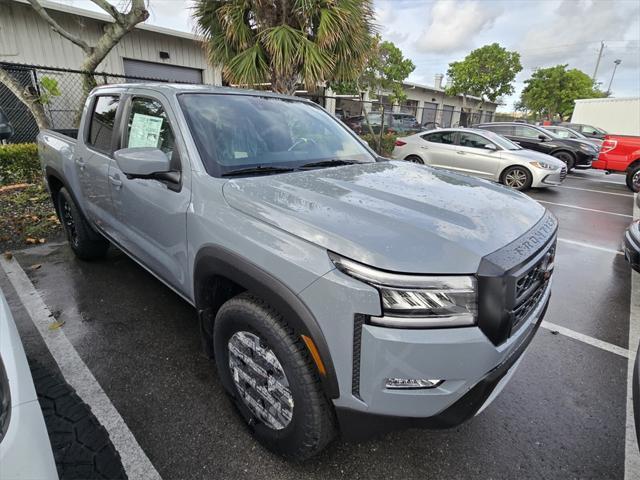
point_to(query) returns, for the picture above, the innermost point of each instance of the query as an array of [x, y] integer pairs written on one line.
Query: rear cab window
[[102, 123]]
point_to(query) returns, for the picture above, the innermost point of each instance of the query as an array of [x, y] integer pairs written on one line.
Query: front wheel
[[518, 178], [85, 243], [267, 370], [567, 158], [633, 178]]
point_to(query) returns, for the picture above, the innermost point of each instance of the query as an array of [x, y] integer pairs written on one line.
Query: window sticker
[[145, 131]]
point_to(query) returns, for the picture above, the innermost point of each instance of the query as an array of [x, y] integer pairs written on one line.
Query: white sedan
[[484, 154]]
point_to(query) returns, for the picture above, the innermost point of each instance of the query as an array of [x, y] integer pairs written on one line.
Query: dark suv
[[403, 123], [573, 153]]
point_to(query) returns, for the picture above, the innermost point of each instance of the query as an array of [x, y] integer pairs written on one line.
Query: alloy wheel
[[260, 380], [68, 222], [516, 178]]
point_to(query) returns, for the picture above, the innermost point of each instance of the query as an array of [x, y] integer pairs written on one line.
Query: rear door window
[[102, 123], [446, 138]]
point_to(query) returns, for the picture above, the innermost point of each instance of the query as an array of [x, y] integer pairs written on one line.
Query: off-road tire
[[312, 425], [567, 158], [84, 241], [415, 159], [81, 446], [631, 173]]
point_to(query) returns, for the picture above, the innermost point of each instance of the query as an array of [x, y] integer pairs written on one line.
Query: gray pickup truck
[[336, 290]]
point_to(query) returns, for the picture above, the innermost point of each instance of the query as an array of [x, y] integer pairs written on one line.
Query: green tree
[[487, 72], [552, 91], [285, 42], [385, 70]]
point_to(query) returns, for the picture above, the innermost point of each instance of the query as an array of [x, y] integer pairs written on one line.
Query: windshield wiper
[[260, 169], [328, 163]]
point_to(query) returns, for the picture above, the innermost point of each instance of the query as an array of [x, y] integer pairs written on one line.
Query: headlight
[[546, 166], [588, 148], [417, 300]]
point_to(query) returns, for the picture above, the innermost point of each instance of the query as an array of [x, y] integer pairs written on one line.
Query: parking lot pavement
[[563, 415]]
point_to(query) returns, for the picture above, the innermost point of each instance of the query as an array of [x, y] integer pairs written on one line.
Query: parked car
[[621, 154], [566, 132], [401, 123], [572, 152], [6, 129], [46, 430], [484, 154], [586, 130], [311, 261], [25, 449]]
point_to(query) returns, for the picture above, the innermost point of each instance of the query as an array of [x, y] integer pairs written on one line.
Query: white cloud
[[454, 24]]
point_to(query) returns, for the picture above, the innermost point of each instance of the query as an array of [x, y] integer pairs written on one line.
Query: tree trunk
[[285, 84], [31, 102]]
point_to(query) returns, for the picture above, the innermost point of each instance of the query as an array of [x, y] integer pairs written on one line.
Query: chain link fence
[[61, 92]]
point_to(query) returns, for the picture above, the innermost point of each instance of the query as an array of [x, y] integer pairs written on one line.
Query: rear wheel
[[267, 370], [518, 178], [414, 159], [567, 158], [85, 243], [633, 178]]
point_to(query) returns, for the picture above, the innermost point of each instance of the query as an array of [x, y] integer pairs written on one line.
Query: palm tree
[[286, 42]]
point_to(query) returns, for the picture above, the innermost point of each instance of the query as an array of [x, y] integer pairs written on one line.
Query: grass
[[27, 217]]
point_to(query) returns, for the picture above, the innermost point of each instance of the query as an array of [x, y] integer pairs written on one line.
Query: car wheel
[[81, 446], [85, 243], [633, 178], [414, 159], [267, 370], [518, 178], [567, 158]]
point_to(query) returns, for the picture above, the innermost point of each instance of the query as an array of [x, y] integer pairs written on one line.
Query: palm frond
[[248, 67]]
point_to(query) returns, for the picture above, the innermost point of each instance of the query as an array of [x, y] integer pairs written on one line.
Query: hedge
[[388, 142], [19, 163]]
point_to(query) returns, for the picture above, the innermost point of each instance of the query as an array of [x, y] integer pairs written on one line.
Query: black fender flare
[[219, 261]]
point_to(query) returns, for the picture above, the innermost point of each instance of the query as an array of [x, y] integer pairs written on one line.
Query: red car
[[621, 153]]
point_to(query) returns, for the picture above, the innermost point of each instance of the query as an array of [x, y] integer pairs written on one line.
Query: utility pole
[[595, 72], [615, 66]]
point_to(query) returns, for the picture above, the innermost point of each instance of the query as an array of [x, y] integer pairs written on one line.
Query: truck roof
[[177, 88]]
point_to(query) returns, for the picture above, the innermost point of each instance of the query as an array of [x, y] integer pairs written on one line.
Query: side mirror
[[142, 162], [491, 147], [542, 138]]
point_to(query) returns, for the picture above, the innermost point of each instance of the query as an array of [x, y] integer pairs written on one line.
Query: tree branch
[[110, 9], [57, 28], [30, 101]]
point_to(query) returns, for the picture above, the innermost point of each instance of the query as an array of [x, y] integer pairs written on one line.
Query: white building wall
[[26, 38], [615, 115]]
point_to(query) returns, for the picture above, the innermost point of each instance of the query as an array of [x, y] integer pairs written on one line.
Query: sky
[[433, 33]]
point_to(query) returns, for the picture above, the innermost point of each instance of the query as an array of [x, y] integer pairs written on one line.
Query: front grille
[[531, 285], [563, 173]]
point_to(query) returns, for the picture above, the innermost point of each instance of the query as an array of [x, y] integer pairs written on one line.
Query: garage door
[[161, 71]]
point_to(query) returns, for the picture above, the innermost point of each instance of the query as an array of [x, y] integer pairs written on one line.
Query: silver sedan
[[484, 154]]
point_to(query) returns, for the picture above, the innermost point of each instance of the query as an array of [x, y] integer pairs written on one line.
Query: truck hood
[[396, 216]]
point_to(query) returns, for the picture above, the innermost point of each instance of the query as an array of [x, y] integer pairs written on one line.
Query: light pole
[[615, 66]]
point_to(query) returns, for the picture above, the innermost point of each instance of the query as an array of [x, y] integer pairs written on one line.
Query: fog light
[[412, 383]]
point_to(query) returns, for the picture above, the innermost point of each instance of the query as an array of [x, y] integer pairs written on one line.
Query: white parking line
[[74, 370], [631, 454], [583, 208], [629, 195], [598, 178], [594, 247], [594, 342]]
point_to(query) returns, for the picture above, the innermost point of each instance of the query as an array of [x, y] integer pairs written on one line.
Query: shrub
[[19, 163], [388, 142]]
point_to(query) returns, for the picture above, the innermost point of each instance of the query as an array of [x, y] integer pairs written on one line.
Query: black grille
[[358, 322], [563, 173], [531, 286]]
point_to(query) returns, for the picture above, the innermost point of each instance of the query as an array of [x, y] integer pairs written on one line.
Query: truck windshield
[[234, 132]]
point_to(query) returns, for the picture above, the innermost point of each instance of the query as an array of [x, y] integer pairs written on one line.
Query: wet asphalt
[[561, 416]]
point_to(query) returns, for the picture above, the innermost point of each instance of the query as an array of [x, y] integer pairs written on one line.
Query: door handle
[[115, 181], [81, 163], [424, 148], [459, 152]]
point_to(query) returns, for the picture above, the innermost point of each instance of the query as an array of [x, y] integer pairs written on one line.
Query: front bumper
[[632, 245], [585, 160], [542, 178]]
